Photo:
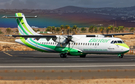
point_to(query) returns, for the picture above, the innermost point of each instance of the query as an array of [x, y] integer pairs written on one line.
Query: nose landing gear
[[120, 55]]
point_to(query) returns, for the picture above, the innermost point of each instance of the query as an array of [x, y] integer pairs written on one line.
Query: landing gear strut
[[121, 55], [63, 55]]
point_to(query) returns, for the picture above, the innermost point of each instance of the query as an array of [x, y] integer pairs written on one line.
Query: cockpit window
[[113, 42], [120, 42]]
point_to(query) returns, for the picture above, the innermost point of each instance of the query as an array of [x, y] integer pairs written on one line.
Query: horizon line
[[63, 7]]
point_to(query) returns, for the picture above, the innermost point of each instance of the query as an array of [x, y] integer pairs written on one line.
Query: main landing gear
[[63, 55], [121, 55]]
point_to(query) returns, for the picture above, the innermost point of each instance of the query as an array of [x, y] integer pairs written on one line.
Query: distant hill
[[82, 16], [71, 8]]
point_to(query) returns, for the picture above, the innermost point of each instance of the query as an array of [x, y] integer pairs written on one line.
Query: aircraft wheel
[[63, 55], [82, 56], [121, 56]]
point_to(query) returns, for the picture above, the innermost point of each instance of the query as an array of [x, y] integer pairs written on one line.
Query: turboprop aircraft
[[74, 45]]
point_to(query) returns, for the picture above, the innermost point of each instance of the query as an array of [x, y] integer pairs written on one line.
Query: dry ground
[[70, 81]]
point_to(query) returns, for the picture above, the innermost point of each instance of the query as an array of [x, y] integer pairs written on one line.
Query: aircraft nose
[[125, 49]]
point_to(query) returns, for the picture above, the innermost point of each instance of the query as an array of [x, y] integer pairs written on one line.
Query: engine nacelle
[[75, 52], [60, 39]]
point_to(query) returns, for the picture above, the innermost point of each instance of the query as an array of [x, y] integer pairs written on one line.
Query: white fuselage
[[91, 45]]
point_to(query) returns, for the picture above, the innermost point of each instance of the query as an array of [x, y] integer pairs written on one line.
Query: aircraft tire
[[121, 56], [82, 56], [63, 55]]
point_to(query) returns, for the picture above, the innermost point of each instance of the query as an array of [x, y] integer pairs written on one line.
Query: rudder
[[23, 27]]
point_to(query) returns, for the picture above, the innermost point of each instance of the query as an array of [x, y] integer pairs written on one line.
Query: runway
[[30, 65], [40, 60]]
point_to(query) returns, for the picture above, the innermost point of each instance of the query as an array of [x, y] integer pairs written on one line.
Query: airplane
[[73, 45]]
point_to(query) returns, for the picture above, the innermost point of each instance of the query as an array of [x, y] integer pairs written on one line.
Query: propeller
[[69, 39]]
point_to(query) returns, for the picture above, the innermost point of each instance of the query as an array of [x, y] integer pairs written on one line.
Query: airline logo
[[99, 40]]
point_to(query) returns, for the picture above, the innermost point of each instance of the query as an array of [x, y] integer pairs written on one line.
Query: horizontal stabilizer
[[19, 17]]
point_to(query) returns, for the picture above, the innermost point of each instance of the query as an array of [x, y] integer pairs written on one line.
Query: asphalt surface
[[40, 60], [30, 65]]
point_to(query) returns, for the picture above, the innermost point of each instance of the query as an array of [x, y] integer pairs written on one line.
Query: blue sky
[[53, 4]]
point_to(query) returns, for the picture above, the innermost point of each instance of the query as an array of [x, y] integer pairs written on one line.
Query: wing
[[48, 37], [118, 34]]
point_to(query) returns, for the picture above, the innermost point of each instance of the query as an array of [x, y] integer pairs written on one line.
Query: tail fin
[[23, 27]]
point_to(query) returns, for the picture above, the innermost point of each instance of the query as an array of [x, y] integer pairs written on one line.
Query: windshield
[[116, 41]]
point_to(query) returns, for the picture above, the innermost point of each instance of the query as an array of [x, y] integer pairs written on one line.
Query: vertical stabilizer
[[23, 27]]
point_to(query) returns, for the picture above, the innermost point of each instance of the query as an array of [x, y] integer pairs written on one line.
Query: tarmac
[[41, 60], [21, 65]]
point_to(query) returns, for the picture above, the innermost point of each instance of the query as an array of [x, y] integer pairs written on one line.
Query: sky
[[54, 4]]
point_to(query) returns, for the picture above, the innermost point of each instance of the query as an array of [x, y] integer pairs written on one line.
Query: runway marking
[[7, 54], [87, 66]]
